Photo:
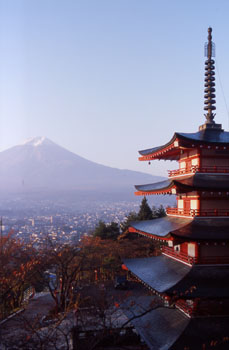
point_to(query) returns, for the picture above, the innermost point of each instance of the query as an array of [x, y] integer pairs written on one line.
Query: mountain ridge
[[40, 164]]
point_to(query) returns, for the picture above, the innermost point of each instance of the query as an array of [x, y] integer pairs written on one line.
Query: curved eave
[[160, 228], [162, 187], [169, 186], [161, 273], [150, 235], [148, 193], [173, 228], [165, 275], [171, 150], [197, 181]]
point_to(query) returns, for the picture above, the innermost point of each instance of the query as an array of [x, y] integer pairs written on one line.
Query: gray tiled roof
[[170, 329], [204, 136], [164, 274], [207, 136], [199, 181], [161, 227], [161, 273], [160, 328], [155, 186], [195, 228], [204, 229]]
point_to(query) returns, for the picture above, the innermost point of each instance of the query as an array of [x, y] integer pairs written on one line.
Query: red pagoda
[[191, 276]]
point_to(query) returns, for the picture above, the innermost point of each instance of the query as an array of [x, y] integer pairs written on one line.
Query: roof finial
[[209, 79]]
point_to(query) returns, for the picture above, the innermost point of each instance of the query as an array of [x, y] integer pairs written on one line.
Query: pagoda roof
[[170, 329], [153, 326], [161, 227], [196, 228], [160, 273], [166, 275], [165, 186], [196, 181], [171, 150], [204, 229]]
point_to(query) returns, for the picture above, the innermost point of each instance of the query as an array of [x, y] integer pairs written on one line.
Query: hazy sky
[[105, 78]]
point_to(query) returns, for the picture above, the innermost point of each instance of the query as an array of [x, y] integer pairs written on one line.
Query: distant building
[[191, 276], [32, 222]]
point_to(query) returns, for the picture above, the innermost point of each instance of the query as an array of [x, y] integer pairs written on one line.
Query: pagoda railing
[[194, 260], [194, 169], [196, 212], [178, 255], [188, 306]]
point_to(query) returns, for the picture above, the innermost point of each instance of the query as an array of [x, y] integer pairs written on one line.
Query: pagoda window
[[177, 248], [170, 243], [182, 165], [180, 204], [194, 204], [192, 249], [195, 161]]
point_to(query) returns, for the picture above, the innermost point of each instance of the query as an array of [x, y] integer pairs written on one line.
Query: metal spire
[[209, 79]]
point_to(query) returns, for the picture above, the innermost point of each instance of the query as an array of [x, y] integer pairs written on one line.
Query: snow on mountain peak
[[36, 141]]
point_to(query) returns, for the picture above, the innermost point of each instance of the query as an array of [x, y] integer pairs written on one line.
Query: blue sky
[[105, 78]]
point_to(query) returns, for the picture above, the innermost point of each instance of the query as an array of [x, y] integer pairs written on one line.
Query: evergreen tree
[[132, 216], [145, 213], [160, 212], [106, 231], [154, 212]]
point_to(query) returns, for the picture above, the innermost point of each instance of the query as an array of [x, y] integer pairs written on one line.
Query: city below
[[62, 226]]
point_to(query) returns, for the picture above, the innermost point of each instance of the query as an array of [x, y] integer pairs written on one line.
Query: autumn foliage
[[18, 265]]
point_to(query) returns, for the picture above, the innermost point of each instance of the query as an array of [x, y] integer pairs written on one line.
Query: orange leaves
[[17, 266]]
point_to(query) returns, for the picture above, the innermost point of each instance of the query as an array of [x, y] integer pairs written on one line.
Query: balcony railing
[[206, 260], [196, 212], [194, 169], [186, 307], [178, 255]]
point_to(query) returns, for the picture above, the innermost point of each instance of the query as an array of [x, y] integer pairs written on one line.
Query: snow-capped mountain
[[37, 141], [40, 164]]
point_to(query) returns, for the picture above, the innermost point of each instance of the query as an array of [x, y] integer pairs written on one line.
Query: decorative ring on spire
[[209, 80]]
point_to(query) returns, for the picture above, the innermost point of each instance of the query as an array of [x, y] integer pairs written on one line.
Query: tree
[[132, 216], [18, 265], [106, 231], [160, 212], [145, 213], [64, 264]]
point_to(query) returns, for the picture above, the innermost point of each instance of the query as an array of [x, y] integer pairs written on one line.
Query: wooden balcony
[[196, 212], [178, 255], [206, 260], [197, 169], [184, 306]]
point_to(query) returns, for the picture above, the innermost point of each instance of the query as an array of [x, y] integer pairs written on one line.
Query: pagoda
[[191, 276]]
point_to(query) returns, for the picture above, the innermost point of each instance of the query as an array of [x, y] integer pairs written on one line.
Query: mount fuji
[[39, 164]]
